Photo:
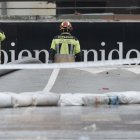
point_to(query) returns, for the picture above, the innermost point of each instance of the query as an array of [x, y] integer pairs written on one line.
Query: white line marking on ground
[[52, 80]]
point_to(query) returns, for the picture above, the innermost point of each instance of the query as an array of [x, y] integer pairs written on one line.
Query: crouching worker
[[65, 47]]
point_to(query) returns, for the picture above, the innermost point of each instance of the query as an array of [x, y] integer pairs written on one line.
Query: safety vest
[[66, 47], [2, 36]]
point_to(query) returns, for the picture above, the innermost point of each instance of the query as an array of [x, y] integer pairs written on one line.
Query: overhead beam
[[49, 0]]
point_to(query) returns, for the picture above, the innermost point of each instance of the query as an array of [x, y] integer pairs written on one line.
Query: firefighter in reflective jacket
[[65, 47], [2, 35], [2, 38]]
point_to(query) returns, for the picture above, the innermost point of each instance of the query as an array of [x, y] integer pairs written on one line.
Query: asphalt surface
[[24, 81], [119, 122], [81, 81], [71, 81]]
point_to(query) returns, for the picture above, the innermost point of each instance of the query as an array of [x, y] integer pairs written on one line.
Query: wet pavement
[[71, 123]]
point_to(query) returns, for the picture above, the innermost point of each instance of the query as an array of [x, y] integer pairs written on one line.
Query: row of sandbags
[[110, 98], [80, 99], [40, 98]]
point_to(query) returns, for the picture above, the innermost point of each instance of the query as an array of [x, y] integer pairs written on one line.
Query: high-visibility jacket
[[65, 48], [2, 36]]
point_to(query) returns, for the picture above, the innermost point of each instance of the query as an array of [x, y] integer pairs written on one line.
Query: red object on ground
[[105, 88]]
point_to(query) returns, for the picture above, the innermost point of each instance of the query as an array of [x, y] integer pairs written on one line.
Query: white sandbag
[[21, 100], [114, 100], [130, 97], [78, 99], [5, 100], [123, 99], [48, 99], [69, 99], [32, 93], [127, 97], [95, 100]]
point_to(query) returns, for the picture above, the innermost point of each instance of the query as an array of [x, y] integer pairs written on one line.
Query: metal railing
[[71, 8], [113, 9], [61, 8]]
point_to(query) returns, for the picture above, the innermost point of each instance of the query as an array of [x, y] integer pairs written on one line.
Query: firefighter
[[65, 47], [2, 36]]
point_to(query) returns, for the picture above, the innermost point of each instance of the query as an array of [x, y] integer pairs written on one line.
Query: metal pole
[[75, 6]]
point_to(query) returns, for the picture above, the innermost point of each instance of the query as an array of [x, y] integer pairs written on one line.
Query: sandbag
[[130, 97], [29, 93], [46, 99], [95, 100], [127, 97], [78, 99], [114, 100], [70, 99], [5, 100], [21, 100]]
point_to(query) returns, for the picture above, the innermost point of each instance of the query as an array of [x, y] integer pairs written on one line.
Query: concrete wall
[[29, 11]]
